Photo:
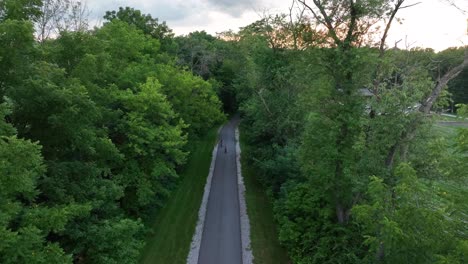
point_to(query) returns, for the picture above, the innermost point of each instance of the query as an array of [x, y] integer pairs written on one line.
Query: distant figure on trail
[[221, 142], [225, 149]]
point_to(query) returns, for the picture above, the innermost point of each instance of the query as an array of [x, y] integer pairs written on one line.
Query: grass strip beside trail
[[174, 225], [263, 231]]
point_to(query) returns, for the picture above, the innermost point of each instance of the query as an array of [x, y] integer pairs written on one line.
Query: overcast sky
[[433, 23]]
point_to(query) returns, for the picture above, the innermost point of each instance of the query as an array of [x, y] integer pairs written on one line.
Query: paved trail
[[453, 123], [221, 240]]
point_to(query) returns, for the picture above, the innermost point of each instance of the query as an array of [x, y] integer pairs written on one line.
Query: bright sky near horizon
[[432, 23]]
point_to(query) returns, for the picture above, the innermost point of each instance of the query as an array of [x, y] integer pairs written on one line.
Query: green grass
[[448, 127], [174, 224], [263, 231], [448, 132]]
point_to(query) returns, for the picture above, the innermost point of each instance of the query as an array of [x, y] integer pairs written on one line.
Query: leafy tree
[[23, 10], [214, 59], [199, 52], [113, 241], [146, 23], [111, 112], [152, 146], [359, 112], [414, 227], [189, 94], [79, 156], [16, 49], [24, 223], [447, 60]]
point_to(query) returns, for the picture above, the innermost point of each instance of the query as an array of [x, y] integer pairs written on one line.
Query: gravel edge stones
[[247, 256], [192, 257]]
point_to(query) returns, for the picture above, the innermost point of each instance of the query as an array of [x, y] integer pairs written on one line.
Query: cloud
[[164, 10], [182, 13], [180, 10], [235, 8], [218, 15], [210, 22]]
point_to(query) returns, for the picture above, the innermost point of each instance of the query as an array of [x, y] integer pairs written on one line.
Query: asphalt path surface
[[453, 123], [221, 239]]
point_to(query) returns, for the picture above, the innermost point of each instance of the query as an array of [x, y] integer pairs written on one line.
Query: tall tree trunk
[[342, 211]]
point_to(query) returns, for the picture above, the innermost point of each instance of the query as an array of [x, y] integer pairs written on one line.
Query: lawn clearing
[[175, 223], [263, 232]]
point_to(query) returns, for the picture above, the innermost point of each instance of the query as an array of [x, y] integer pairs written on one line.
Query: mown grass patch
[[174, 224], [448, 127], [448, 132], [263, 230]]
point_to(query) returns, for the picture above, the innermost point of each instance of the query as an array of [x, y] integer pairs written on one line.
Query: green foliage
[[110, 115], [215, 60], [25, 224], [95, 126], [115, 241], [458, 88], [263, 227], [16, 47], [20, 10], [189, 94], [144, 22], [21, 180], [153, 145], [463, 110], [172, 228], [199, 51], [337, 140], [417, 227], [308, 231]]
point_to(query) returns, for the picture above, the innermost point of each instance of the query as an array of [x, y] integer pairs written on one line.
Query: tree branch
[[442, 82], [352, 24], [327, 22], [425, 108], [387, 27], [264, 102], [403, 7]]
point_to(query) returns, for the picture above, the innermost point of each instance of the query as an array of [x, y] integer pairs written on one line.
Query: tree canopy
[[96, 125], [94, 128]]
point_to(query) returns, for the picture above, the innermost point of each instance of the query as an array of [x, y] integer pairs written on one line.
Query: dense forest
[[96, 124], [341, 132]]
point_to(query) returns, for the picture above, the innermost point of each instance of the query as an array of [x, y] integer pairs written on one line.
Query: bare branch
[[326, 21], [455, 5], [264, 102], [291, 24], [387, 27], [61, 15], [403, 7], [352, 24]]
